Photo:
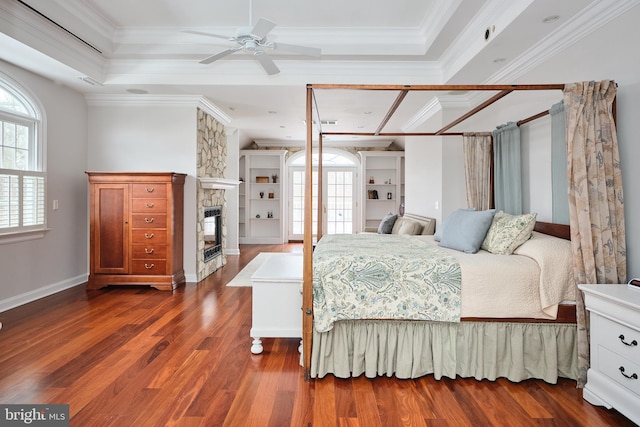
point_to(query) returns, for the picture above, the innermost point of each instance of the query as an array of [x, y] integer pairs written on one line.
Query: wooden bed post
[[320, 195], [307, 266]]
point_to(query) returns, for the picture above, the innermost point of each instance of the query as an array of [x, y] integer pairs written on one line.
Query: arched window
[[22, 176]]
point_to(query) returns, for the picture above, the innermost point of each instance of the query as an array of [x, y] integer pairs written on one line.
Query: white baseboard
[[27, 297], [232, 252]]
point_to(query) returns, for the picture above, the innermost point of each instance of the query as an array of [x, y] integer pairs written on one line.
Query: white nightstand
[[613, 380], [277, 299]]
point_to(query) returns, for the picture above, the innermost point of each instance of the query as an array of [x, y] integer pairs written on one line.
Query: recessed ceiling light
[[550, 19], [232, 108], [367, 112], [282, 126], [498, 60], [137, 91], [272, 112]]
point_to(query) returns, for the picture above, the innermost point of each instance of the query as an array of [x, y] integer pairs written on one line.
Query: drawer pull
[[148, 251], [149, 205], [149, 267], [631, 344], [149, 189], [633, 376], [148, 236], [149, 220]]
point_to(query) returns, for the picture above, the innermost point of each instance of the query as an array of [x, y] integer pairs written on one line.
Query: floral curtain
[[477, 169], [596, 201], [507, 168]]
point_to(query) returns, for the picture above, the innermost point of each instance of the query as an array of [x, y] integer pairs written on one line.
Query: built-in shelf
[[218, 183]]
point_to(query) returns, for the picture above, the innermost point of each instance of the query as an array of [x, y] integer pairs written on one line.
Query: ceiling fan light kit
[[254, 40]]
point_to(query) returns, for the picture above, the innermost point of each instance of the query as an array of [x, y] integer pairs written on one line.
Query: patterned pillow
[[508, 232], [386, 225]]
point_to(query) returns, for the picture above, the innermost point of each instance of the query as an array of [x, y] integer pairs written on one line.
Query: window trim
[[37, 154]]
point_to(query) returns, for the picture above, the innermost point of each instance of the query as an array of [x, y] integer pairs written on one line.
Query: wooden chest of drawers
[[136, 222], [613, 380]]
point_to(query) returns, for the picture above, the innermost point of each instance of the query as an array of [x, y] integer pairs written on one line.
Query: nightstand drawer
[[611, 364], [619, 338], [150, 191], [153, 266]]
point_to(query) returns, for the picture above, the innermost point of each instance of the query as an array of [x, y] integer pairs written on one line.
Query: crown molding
[[30, 29], [147, 100], [591, 18], [495, 13]]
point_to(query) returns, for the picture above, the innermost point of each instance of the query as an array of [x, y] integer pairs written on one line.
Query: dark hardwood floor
[[133, 356]]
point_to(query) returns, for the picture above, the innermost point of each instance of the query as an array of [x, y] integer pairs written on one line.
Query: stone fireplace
[[211, 167]]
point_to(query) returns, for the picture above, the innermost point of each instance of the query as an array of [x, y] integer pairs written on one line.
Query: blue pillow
[[465, 230], [437, 236], [386, 225]]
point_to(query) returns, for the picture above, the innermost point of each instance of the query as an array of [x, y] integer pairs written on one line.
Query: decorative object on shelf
[[241, 179], [269, 214], [372, 181], [258, 216], [271, 193], [375, 194], [262, 179], [262, 194], [389, 196], [274, 178]]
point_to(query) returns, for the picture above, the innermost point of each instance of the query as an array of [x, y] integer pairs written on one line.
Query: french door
[[339, 201]]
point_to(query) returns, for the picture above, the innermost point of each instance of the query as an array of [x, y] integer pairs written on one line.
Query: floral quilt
[[383, 276]]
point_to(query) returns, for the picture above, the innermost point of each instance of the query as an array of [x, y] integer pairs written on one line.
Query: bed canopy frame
[[314, 141]]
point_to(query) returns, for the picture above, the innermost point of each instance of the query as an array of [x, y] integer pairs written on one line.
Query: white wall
[[32, 269], [149, 138]]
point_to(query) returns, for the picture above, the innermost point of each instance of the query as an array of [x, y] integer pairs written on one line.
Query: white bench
[[277, 299]]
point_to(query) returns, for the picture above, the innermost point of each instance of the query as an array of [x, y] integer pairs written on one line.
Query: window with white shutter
[[23, 180]]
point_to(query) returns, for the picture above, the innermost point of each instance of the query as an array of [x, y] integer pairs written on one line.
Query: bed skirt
[[411, 349]]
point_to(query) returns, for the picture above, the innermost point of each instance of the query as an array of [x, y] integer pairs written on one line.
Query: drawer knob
[[150, 266], [149, 220], [633, 376], [149, 189], [148, 251], [631, 344], [149, 205], [148, 236]]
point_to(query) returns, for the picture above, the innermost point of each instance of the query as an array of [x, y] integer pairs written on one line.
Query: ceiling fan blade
[[303, 50], [201, 33], [210, 59], [262, 27], [267, 63]]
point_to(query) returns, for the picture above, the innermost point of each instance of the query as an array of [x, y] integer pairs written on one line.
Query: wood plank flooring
[[134, 356]]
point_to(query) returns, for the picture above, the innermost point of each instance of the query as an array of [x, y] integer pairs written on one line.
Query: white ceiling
[[126, 45]]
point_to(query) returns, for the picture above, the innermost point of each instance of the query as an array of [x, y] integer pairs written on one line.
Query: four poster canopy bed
[[408, 306]]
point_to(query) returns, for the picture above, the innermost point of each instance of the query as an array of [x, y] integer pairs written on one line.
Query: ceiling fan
[[254, 40]]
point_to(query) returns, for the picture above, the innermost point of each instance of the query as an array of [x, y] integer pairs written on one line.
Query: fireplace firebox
[[212, 232]]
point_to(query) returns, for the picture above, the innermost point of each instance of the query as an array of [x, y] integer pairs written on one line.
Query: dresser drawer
[[146, 252], [150, 205], [148, 221], [612, 335], [610, 364], [145, 237], [150, 267], [150, 191]]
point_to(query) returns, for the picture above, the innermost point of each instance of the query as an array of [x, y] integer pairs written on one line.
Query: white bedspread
[[530, 283]]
